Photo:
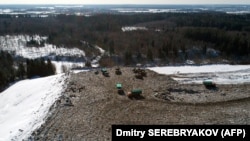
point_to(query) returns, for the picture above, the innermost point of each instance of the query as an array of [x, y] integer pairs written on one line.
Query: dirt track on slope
[[96, 105]]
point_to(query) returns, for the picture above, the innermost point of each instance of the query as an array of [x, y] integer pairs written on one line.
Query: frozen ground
[[17, 45], [221, 74], [60, 65], [25, 105]]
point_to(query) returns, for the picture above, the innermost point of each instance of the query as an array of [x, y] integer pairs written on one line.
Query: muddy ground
[[91, 104]]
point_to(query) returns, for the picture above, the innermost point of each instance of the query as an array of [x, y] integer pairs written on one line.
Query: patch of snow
[[212, 52], [238, 12], [199, 69], [44, 16], [6, 11], [100, 49], [220, 74], [25, 105], [163, 11], [132, 28], [138, 10], [157, 30], [52, 8], [95, 62], [17, 44], [68, 65], [190, 62], [80, 70]]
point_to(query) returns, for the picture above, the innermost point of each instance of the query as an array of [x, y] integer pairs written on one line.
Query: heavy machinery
[[208, 83], [134, 93], [118, 71], [119, 89]]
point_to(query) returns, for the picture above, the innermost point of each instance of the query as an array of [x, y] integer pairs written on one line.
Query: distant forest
[[170, 38]]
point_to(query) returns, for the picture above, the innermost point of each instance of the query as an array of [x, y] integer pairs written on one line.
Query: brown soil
[[91, 104]]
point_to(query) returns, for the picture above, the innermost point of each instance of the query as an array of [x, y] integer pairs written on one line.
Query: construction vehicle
[[120, 90], [105, 72], [134, 93], [208, 83], [139, 73], [118, 71]]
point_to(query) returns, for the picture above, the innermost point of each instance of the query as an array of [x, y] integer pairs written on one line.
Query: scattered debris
[[160, 101], [164, 95], [68, 102], [138, 76], [180, 90]]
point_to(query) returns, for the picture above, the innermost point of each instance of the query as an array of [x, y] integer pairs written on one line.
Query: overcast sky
[[124, 1]]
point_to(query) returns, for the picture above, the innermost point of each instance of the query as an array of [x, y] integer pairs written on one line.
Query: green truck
[[209, 83], [119, 86], [136, 91]]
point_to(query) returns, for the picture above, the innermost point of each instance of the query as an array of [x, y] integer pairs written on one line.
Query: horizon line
[[121, 4]]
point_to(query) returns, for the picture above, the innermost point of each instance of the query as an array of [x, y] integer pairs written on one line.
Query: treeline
[[39, 67], [230, 43], [12, 70], [169, 38], [7, 70]]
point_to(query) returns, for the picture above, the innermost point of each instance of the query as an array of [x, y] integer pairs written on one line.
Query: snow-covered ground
[[67, 65], [25, 105], [62, 66], [133, 28], [17, 44], [220, 74], [133, 10]]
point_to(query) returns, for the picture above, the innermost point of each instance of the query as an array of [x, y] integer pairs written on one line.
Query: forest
[[170, 38], [13, 70]]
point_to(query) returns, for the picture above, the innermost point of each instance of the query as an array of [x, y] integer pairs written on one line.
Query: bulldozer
[[118, 71]]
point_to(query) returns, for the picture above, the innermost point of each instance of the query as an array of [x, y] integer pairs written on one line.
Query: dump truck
[[119, 87], [208, 83], [105, 72], [134, 93]]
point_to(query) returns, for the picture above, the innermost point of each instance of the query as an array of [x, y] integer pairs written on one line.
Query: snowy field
[[25, 105], [220, 74], [17, 44]]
